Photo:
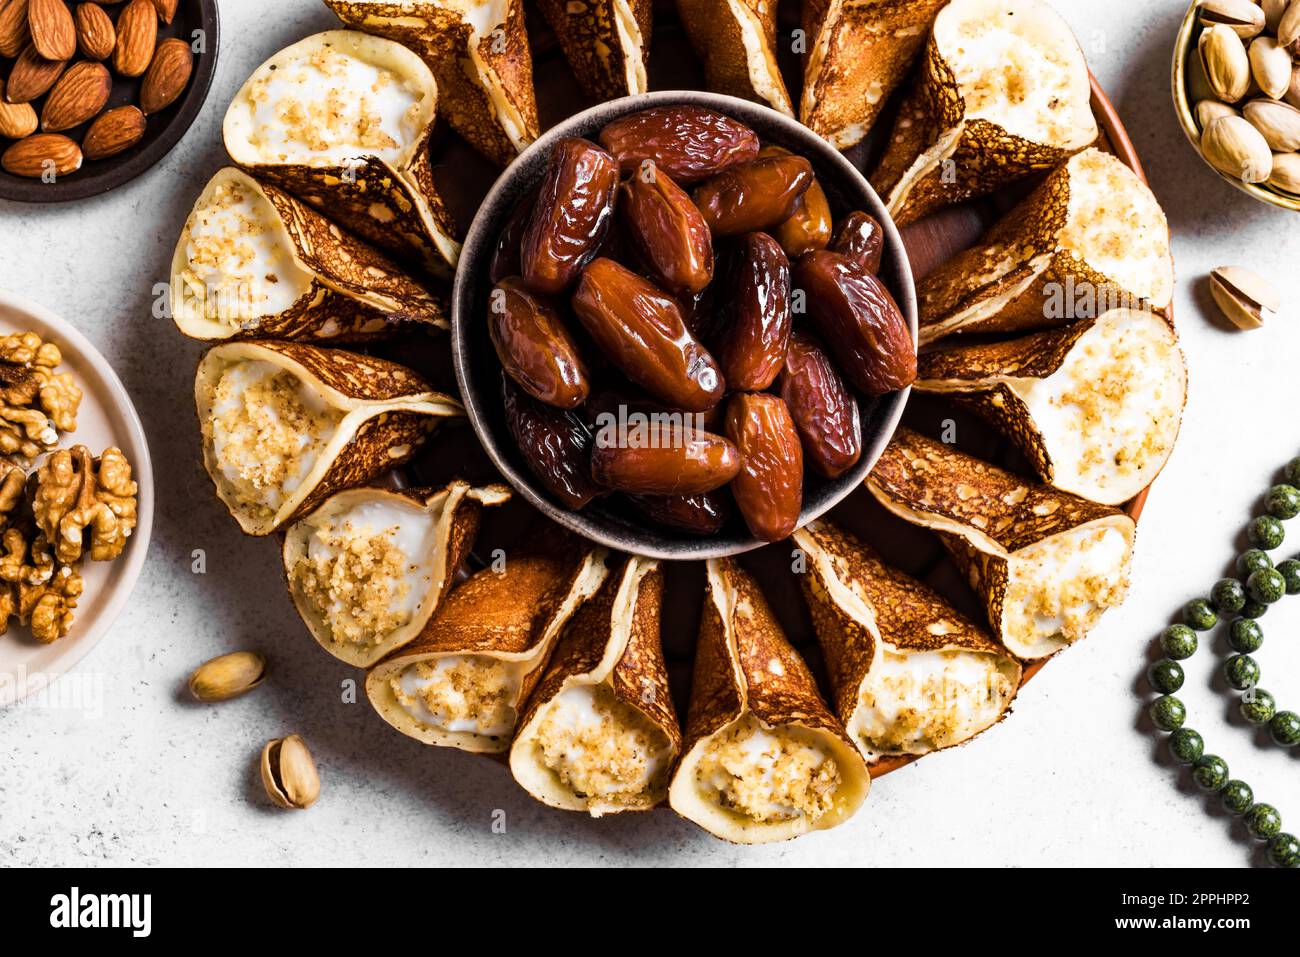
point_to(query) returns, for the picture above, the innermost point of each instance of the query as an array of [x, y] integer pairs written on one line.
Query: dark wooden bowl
[[164, 129]]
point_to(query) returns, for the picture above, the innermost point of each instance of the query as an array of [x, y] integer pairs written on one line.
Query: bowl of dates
[[683, 325]]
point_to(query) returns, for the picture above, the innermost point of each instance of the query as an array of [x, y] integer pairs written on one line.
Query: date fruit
[[697, 462], [667, 232], [505, 255], [861, 240], [556, 446], [534, 346], [753, 196], [641, 331], [769, 486], [824, 412], [755, 308], [809, 226], [859, 321], [686, 142], [702, 514], [573, 212]]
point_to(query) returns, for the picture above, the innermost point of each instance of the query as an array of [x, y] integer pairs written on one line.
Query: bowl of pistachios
[[1236, 86]]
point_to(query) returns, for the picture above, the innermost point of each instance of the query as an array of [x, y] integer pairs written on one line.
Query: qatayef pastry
[[736, 40], [478, 52], [1095, 406], [605, 41], [1092, 236], [911, 674], [1047, 564], [599, 734], [342, 120], [463, 681], [368, 569], [252, 261], [858, 53], [763, 759], [286, 425], [1003, 91]]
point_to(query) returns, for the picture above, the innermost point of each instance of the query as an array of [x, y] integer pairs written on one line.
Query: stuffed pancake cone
[[858, 53], [1047, 564], [1002, 92], [253, 262], [285, 425], [763, 759], [736, 41], [478, 52], [605, 41], [462, 682], [911, 674], [368, 568], [599, 733], [360, 155], [1095, 406], [1091, 236]]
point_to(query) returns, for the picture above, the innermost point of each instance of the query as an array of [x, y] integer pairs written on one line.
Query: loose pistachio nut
[[1227, 65], [1243, 17], [1288, 28], [1278, 122], [1273, 10], [1207, 111], [228, 676], [1270, 65], [1293, 91], [289, 773], [1234, 147], [1286, 173], [1247, 299]]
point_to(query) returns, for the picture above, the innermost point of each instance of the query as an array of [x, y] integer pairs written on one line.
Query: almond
[[166, 9], [53, 31], [95, 33], [113, 132], [80, 94], [42, 156], [137, 33], [14, 33], [16, 119], [167, 76], [32, 75]]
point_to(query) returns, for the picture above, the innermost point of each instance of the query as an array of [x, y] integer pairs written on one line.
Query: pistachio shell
[[228, 676], [1273, 10], [1246, 298], [1286, 173], [1245, 18], [1288, 28], [1270, 66], [289, 773], [1207, 111], [1278, 122], [1293, 91], [1234, 147], [1227, 65]]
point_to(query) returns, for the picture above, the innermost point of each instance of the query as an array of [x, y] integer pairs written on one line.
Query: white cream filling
[[764, 73], [632, 44], [467, 693]]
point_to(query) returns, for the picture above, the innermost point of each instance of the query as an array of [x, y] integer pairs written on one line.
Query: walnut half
[[75, 495], [41, 593], [36, 403]]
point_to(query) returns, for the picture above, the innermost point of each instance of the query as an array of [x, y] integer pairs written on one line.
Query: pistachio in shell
[[1234, 147], [1243, 17], [1207, 111], [1227, 65], [289, 773], [1285, 177], [228, 676], [1270, 65], [1246, 298]]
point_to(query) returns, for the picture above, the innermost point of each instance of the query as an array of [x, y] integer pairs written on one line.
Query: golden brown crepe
[[606, 42], [369, 567], [599, 734], [911, 674], [1047, 564], [463, 681], [763, 757], [736, 41]]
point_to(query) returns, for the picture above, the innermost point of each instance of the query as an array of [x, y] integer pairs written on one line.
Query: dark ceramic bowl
[[613, 522], [164, 129]]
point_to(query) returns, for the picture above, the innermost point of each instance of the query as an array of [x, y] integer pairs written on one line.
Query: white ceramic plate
[[106, 418]]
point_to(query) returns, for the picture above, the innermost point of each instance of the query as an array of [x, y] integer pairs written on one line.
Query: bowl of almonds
[[92, 94], [1236, 85]]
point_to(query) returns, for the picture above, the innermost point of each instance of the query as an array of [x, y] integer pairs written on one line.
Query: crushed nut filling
[[357, 585], [459, 693], [768, 775], [1060, 587]]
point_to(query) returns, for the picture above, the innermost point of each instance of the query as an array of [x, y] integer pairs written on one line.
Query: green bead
[[1178, 642], [1186, 745], [1265, 531], [1292, 471], [1168, 713], [1228, 595], [1165, 676], [1258, 706], [1236, 797], [1210, 772], [1263, 822], [1266, 586], [1252, 561], [1283, 501], [1200, 614], [1290, 570], [1284, 850], [1284, 729], [1254, 609], [1245, 635], [1241, 672]]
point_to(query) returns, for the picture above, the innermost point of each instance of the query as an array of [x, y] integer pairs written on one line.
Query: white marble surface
[[1072, 778]]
